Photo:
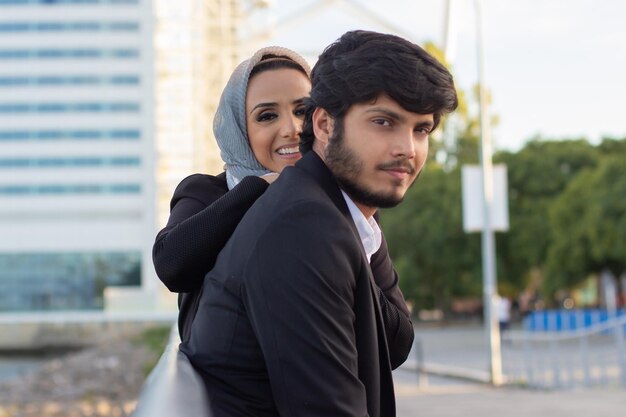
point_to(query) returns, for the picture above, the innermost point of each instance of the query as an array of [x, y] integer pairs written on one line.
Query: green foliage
[[155, 340], [589, 225], [536, 176], [434, 257], [567, 215]]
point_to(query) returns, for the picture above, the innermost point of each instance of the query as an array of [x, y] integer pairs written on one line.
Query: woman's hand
[[270, 178]]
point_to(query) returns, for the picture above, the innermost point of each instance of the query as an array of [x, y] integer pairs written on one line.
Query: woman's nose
[[291, 127]]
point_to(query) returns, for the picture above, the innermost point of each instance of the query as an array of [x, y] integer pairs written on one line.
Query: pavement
[[463, 348]]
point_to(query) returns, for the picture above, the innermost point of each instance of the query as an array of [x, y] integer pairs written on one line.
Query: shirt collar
[[369, 231]]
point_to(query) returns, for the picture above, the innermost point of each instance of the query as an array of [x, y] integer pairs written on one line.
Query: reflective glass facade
[[63, 281]]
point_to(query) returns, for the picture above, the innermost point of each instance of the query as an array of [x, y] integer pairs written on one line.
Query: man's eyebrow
[[428, 124], [397, 116], [389, 113]]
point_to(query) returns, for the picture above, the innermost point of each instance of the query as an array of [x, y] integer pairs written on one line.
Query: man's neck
[[366, 210]]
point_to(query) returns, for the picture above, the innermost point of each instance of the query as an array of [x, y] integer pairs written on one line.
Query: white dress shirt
[[369, 231]]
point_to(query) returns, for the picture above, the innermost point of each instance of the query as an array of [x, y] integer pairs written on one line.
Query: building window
[[53, 2], [68, 189], [53, 135], [74, 80], [64, 281], [17, 27], [123, 107], [51, 53], [125, 161]]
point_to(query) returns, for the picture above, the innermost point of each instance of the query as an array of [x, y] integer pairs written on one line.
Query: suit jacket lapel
[[315, 167]]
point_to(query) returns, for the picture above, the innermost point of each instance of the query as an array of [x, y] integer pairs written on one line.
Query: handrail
[[174, 387]]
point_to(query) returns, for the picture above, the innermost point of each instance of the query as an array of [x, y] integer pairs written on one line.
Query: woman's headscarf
[[229, 125]]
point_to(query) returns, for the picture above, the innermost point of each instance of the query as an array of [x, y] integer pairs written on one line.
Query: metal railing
[[174, 387], [588, 357]]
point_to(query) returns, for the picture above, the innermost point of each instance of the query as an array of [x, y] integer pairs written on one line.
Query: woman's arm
[[396, 316], [203, 216]]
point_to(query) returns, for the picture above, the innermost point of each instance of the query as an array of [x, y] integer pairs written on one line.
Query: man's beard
[[346, 166]]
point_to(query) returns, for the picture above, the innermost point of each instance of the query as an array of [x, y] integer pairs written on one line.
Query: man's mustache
[[398, 164]]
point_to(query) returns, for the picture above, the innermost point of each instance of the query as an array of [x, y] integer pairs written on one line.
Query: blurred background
[[106, 105]]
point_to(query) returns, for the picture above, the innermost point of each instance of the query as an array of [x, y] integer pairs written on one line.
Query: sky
[[556, 69]]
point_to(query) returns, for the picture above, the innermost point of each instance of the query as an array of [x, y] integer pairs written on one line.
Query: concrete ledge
[[71, 329]]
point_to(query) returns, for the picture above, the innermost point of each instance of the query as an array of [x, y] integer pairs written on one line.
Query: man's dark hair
[[362, 65]]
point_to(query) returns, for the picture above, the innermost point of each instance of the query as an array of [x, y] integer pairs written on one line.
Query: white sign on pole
[[473, 212]]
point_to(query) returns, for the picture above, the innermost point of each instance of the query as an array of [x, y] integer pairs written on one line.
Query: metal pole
[[422, 376], [449, 31], [488, 236]]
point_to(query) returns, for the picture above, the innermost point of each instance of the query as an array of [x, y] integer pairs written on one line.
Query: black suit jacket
[[289, 323]]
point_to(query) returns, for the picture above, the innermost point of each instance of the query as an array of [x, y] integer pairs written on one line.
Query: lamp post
[[488, 235]]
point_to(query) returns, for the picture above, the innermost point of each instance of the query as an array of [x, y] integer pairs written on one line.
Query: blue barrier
[[564, 320]]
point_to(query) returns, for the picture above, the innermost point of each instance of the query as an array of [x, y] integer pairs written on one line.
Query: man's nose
[[404, 145]]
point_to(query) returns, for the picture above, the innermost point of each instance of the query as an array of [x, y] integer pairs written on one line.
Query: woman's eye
[[299, 112], [266, 116]]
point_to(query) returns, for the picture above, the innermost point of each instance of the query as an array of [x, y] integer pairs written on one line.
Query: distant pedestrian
[[503, 311]]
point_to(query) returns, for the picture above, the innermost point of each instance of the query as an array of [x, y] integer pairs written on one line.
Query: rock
[[104, 381]]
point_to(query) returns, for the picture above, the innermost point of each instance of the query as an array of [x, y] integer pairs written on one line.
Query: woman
[[257, 126]]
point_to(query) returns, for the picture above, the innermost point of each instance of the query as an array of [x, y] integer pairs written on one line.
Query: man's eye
[[382, 122], [266, 116]]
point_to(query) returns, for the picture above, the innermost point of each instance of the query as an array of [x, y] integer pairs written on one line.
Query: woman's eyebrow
[[263, 105]]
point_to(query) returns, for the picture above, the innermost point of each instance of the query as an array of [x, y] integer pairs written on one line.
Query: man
[[288, 322]]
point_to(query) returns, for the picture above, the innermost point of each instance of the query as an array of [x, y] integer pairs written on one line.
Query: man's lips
[[397, 173]]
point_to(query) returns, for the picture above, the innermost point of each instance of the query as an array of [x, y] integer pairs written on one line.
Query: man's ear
[[323, 124]]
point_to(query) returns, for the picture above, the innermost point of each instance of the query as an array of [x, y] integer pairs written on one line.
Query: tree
[[589, 225], [435, 259], [537, 175]]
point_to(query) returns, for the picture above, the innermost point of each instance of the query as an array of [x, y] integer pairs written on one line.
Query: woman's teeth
[[288, 151]]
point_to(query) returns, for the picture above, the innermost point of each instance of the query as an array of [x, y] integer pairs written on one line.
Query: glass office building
[[105, 106], [77, 153]]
